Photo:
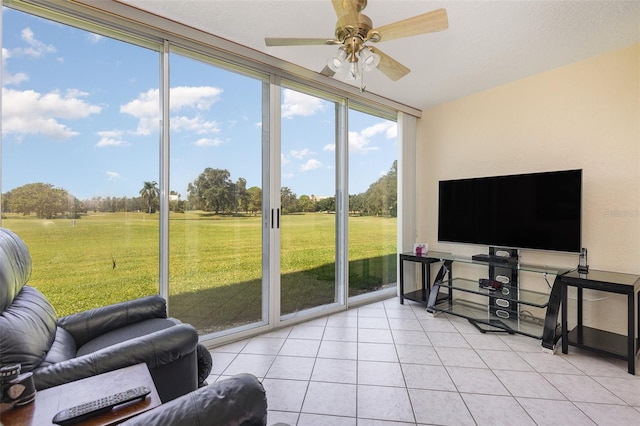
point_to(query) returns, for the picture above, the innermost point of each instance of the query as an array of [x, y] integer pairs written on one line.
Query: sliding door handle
[[275, 218]]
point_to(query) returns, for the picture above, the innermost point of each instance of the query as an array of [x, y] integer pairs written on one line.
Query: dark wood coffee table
[[49, 401]]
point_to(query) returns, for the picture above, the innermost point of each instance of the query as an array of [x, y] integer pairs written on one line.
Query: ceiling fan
[[354, 30]]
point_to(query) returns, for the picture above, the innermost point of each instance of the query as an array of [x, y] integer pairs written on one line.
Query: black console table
[[425, 260], [616, 345]]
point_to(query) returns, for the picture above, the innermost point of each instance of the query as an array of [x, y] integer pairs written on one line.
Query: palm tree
[[149, 193]]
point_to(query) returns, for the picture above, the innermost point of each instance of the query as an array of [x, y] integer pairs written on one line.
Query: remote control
[[491, 285], [92, 408]]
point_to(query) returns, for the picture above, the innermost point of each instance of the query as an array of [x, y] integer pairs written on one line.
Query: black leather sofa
[[60, 350]]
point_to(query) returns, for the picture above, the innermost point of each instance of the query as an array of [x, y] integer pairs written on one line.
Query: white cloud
[[7, 77], [35, 48], [311, 164], [113, 176], [94, 38], [208, 142], [299, 155], [104, 142], [201, 97], [359, 142], [111, 138], [296, 103], [30, 112], [389, 128], [196, 124], [146, 107]]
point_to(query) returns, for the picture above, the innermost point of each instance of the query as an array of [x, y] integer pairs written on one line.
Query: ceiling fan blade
[[283, 41], [389, 66], [427, 22], [327, 71], [346, 11], [338, 6]]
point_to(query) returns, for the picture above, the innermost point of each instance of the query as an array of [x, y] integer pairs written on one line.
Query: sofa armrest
[[87, 325], [239, 400], [155, 349]]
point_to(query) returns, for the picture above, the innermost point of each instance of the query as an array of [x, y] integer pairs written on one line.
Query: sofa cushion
[[27, 329], [128, 332], [62, 349]]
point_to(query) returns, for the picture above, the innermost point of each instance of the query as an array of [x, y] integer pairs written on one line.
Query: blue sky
[[80, 111]]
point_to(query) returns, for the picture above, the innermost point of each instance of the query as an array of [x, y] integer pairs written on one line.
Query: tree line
[[212, 191], [50, 202]]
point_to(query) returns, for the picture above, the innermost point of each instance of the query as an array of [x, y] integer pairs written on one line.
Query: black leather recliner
[[237, 401], [61, 350]]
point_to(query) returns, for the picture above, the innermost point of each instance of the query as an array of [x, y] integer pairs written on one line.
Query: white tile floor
[[391, 364]]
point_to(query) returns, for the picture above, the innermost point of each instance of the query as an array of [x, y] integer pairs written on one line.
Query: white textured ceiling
[[487, 44]]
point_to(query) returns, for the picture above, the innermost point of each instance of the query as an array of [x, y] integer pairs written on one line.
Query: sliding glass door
[[215, 227], [307, 200], [373, 203]]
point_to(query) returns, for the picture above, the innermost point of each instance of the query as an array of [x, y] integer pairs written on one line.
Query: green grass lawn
[[215, 266]]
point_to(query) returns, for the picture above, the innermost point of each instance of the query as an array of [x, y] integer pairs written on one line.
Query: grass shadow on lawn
[[220, 308]]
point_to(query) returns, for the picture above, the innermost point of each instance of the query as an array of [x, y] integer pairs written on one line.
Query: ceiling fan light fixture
[[352, 71], [337, 62], [354, 30], [369, 59]]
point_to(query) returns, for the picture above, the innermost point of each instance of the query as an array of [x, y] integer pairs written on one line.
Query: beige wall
[[585, 115]]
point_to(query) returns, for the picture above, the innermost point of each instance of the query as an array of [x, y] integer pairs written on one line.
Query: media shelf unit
[[503, 310]]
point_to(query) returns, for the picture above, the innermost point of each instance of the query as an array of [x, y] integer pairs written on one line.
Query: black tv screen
[[534, 211]]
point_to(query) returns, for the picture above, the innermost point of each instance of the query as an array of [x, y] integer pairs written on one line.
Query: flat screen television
[[532, 211]]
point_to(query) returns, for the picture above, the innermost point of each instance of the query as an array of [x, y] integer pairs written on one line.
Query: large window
[[88, 172], [80, 160]]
